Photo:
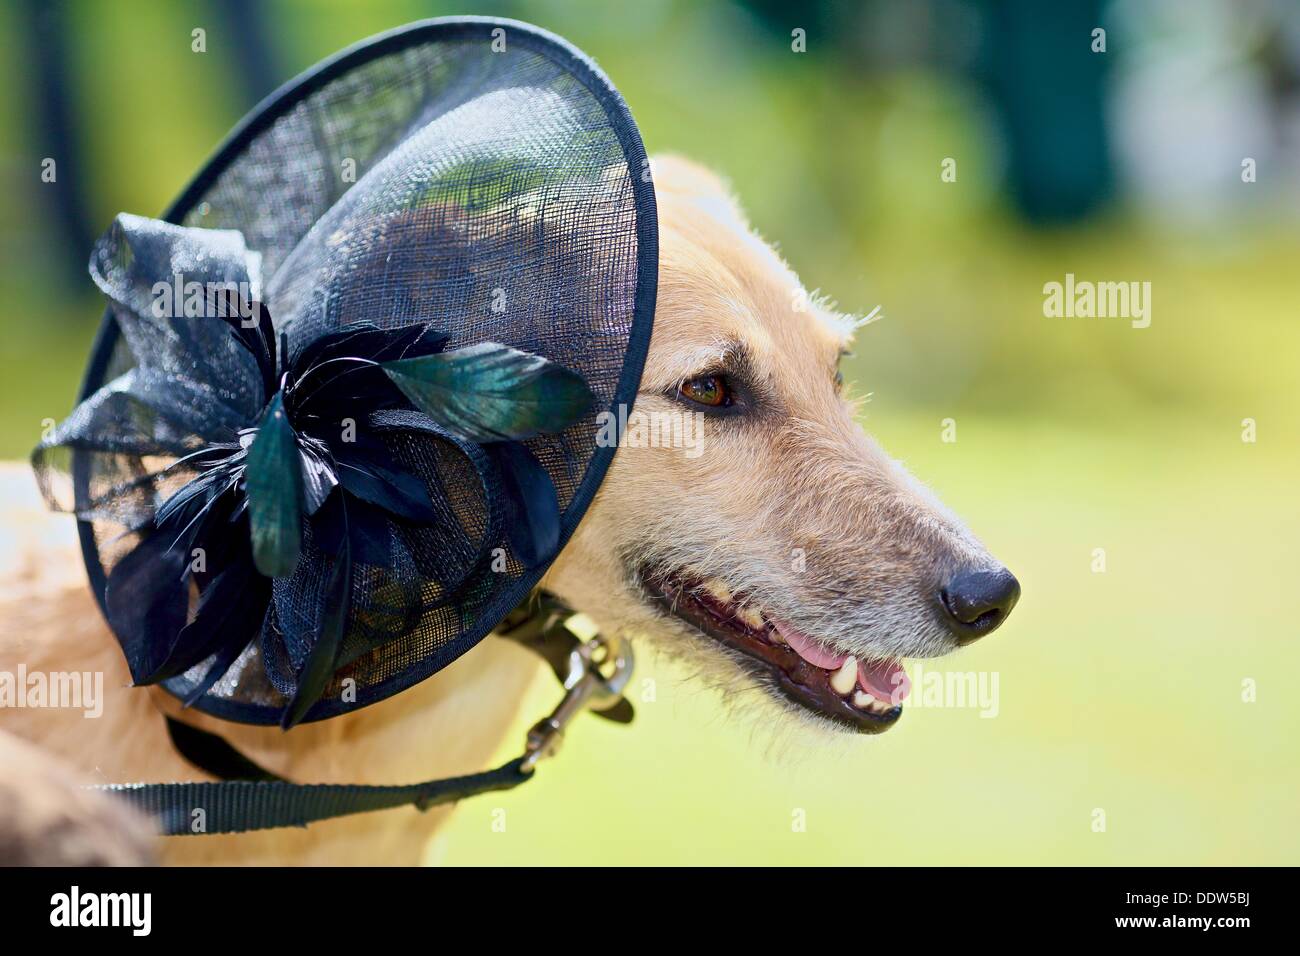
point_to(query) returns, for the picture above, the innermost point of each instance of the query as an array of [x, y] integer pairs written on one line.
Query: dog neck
[[451, 724]]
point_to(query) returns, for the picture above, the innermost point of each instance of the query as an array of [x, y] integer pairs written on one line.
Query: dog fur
[[793, 474]]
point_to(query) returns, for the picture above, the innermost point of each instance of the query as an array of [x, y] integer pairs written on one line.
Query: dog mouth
[[864, 696]]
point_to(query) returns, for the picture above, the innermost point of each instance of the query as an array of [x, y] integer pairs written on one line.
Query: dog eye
[[710, 390]]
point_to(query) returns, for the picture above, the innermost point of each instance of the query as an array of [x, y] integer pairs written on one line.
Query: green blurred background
[[1119, 691]]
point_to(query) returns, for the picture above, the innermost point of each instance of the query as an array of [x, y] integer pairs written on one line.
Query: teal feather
[[491, 392], [273, 479]]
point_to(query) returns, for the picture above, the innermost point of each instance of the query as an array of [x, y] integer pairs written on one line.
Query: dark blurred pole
[[44, 23], [821, 19], [47, 26], [1047, 86], [251, 47]]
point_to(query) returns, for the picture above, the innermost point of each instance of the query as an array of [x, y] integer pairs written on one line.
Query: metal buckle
[[599, 669]]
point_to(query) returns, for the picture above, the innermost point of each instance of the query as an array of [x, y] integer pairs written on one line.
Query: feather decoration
[[248, 500], [341, 372], [369, 341], [273, 480], [319, 475], [146, 599], [532, 509], [245, 623], [196, 515], [491, 392], [188, 501], [365, 531], [318, 668], [221, 605], [258, 339], [368, 470]]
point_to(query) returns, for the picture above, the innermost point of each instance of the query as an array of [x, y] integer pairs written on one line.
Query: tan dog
[[784, 553]]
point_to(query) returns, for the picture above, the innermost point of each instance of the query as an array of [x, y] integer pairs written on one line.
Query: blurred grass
[[1119, 690]]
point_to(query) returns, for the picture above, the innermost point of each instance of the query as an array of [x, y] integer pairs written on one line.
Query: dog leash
[[594, 673]]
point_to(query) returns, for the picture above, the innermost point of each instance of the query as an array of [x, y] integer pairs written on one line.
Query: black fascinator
[[344, 408]]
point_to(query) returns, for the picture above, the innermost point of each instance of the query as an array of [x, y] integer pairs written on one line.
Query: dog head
[[747, 522]]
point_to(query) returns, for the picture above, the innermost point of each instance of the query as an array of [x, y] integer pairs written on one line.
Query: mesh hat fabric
[[478, 176]]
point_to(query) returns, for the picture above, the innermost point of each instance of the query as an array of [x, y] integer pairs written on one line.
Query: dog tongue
[[808, 649], [886, 681]]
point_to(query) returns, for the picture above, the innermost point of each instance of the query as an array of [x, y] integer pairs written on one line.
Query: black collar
[[250, 797]]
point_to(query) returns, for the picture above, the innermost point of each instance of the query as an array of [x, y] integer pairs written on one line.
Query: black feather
[[224, 608], [369, 341], [318, 474], [318, 668], [337, 374], [183, 506], [258, 339], [368, 470], [532, 510], [146, 599], [240, 627], [366, 531], [370, 535]]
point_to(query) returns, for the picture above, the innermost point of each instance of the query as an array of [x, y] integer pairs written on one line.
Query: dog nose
[[976, 602]]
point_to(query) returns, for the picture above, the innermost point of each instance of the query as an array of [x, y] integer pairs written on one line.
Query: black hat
[[342, 411]]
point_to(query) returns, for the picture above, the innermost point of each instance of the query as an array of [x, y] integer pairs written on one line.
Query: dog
[[786, 557]]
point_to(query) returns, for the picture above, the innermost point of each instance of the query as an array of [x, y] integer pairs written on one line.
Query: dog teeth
[[863, 701], [775, 636], [750, 617], [843, 680]]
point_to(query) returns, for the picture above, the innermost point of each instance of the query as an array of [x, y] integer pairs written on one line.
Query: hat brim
[[106, 357]]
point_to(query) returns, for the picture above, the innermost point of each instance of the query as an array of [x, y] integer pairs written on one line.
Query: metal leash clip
[[599, 669]]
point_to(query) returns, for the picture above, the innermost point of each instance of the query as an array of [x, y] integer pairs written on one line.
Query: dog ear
[[682, 177], [677, 174]]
